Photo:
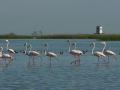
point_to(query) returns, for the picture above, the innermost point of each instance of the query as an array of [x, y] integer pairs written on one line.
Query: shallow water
[[23, 74]]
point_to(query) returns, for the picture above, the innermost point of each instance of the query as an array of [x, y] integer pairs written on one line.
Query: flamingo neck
[[93, 49], [75, 46], [30, 49], [45, 52], [26, 49], [69, 49], [46, 49], [1, 51], [104, 48], [7, 47]]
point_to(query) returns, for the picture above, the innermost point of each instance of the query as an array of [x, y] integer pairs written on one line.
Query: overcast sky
[[59, 16]]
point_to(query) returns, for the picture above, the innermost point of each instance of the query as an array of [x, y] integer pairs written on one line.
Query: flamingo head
[[73, 44], [69, 42], [25, 44], [1, 48], [45, 44], [7, 40], [92, 44], [29, 46], [103, 42]]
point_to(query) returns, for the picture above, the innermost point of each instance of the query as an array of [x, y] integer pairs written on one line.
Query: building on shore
[[99, 29]]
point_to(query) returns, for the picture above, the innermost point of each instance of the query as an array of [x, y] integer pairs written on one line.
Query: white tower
[[99, 30]]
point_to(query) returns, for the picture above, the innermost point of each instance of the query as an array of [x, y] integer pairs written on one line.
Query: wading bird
[[4, 55], [49, 53], [30, 53], [76, 53], [10, 51], [98, 54], [109, 53]]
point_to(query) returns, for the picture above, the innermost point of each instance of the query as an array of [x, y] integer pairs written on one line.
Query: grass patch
[[106, 37]]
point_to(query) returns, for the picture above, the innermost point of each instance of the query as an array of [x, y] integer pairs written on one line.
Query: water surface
[[23, 74]]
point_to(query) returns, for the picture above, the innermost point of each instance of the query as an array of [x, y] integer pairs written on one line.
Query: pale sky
[[59, 16]]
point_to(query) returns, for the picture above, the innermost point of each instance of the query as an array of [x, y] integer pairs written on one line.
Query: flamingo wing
[[33, 53], [6, 56], [52, 54], [11, 51], [99, 54], [76, 52], [109, 52]]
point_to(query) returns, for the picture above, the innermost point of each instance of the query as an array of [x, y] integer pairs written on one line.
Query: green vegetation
[[106, 37], [15, 37]]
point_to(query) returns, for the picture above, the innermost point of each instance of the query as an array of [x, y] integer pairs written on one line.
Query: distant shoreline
[[106, 37]]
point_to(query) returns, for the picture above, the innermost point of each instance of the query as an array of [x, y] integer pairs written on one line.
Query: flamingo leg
[[114, 56], [98, 59], [33, 60], [5, 61], [108, 59], [29, 58], [50, 62], [13, 56], [78, 60], [29, 63], [103, 59], [74, 61], [41, 60]]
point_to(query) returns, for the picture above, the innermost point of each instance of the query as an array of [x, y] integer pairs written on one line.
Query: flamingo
[[109, 52], [31, 53], [97, 53], [11, 51], [4, 55], [3, 58], [76, 53], [49, 53]]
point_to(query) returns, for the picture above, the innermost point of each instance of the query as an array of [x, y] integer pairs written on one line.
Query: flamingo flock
[[104, 53], [72, 50]]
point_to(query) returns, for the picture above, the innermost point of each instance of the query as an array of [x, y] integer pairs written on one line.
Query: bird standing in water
[[49, 53], [76, 53]]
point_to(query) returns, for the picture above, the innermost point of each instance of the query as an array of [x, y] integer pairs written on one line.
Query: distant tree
[[11, 34], [34, 33]]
